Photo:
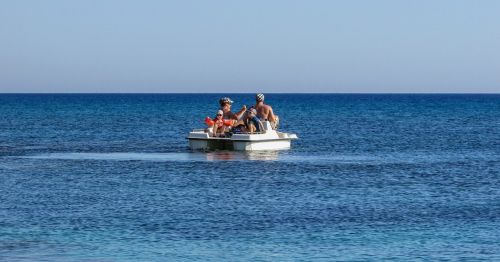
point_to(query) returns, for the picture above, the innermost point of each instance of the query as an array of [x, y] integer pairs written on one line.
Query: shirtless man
[[225, 106], [265, 112]]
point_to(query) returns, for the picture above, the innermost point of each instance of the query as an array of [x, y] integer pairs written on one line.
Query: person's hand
[[244, 108]]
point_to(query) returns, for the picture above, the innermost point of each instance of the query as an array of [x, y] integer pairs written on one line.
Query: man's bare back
[[264, 112]]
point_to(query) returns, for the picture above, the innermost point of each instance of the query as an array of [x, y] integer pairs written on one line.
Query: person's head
[[251, 112], [259, 97], [220, 114], [225, 103]]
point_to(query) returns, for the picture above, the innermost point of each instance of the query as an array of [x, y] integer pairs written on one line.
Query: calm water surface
[[373, 177]]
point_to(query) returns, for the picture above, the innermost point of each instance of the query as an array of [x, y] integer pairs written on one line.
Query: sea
[[372, 177]]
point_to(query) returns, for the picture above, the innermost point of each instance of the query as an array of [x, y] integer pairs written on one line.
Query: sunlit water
[[372, 177]]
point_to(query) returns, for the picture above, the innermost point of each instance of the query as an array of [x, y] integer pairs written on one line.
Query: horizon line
[[289, 93]]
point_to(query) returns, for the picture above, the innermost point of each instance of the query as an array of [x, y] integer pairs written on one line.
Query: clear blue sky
[[249, 46]]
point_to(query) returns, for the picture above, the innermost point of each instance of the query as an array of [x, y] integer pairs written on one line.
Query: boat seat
[[267, 125]]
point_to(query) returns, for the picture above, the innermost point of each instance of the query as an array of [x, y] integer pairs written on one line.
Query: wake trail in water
[[400, 158]]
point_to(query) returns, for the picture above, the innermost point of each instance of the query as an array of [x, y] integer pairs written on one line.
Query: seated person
[[265, 112], [219, 128], [225, 105], [252, 122]]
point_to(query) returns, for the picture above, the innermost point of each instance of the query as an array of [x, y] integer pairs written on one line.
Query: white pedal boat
[[270, 139]]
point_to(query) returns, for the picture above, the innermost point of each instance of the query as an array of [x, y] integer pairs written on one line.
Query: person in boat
[[265, 112], [252, 122], [219, 128], [225, 106], [249, 123]]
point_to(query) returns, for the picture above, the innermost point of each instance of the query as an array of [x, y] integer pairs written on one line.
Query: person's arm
[[240, 113], [270, 115]]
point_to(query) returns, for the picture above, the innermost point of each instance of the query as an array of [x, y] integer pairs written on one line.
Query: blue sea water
[[109, 177]]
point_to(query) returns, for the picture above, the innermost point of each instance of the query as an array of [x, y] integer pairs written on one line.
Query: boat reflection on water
[[263, 155], [236, 156]]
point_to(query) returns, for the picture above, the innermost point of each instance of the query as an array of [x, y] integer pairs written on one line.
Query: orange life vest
[[225, 122]]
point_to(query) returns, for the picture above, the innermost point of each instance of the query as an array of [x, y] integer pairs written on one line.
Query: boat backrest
[[267, 125]]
